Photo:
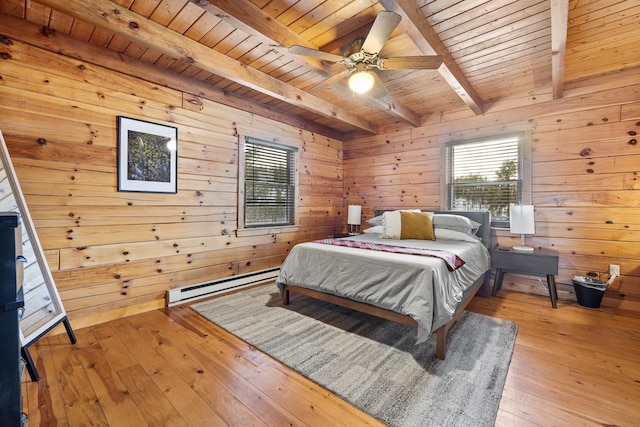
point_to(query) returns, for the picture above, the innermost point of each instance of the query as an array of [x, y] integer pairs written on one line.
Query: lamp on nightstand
[[521, 219], [353, 218]]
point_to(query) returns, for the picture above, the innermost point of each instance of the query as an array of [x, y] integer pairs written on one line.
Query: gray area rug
[[373, 363]]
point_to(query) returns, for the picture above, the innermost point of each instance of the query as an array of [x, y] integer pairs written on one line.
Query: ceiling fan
[[362, 56]]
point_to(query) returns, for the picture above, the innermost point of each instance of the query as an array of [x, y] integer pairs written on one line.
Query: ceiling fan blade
[[380, 31], [314, 53], [410, 63]]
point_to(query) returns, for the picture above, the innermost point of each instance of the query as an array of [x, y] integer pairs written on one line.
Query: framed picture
[[147, 156]]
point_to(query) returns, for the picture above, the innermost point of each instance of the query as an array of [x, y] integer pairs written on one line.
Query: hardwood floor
[[571, 366]]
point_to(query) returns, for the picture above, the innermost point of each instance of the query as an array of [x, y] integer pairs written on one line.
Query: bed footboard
[[441, 333]]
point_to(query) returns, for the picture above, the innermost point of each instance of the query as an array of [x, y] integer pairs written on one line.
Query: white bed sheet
[[418, 286]]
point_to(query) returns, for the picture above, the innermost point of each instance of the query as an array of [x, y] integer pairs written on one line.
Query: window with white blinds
[[269, 184], [485, 174]]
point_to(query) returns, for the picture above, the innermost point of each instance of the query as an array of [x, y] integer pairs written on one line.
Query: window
[[486, 174], [269, 184]]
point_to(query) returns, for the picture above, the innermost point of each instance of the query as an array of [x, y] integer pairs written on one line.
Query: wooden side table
[[537, 263]]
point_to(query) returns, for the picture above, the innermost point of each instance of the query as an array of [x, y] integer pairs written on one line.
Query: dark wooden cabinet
[[11, 302]]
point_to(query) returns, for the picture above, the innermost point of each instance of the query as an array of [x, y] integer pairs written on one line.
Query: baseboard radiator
[[203, 290]]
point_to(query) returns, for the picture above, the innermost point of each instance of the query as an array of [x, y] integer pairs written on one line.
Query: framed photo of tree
[[147, 156]]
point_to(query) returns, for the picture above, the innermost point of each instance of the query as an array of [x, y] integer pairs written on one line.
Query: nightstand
[[537, 263]]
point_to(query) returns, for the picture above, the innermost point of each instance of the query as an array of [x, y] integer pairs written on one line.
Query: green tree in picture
[[149, 158]]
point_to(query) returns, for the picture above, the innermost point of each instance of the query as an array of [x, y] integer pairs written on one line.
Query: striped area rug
[[374, 364]]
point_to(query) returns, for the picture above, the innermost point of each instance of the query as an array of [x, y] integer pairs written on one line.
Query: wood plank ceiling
[[513, 52]]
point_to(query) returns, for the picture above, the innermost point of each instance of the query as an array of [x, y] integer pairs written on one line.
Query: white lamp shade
[[361, 81], [521, 219], [354, 213]]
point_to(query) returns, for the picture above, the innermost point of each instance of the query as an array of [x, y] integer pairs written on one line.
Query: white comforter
[[419, 286]]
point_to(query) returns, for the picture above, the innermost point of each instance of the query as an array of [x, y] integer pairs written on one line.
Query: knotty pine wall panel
[[117, 253], [394, 171], [585, 167], [591, 164]]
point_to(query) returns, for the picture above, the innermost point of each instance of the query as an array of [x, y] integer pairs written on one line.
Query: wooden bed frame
[[441, 333]]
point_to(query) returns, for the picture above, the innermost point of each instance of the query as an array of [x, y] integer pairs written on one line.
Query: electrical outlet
[[614, 270]]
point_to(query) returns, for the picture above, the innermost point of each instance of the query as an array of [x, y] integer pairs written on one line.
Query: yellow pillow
[[391, 224], [416, 225]]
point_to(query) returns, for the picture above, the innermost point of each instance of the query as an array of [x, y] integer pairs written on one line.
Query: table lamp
[[353, 218], [521, 219]]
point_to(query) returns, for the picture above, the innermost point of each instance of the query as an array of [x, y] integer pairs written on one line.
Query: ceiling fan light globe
[[361, 82]]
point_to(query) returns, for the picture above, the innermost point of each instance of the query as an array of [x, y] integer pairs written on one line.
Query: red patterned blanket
[[452, 260]]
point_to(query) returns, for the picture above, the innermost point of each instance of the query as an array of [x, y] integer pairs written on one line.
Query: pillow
[[446, 234], [456, 223], [378, 229], [391, 223], [376, 220], [416, 225]]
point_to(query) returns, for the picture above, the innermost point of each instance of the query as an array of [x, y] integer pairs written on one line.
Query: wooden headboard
[[480, 216]]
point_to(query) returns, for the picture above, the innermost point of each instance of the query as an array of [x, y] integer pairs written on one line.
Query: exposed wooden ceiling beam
[[64, 44], [559, 20], [126, 23], [252, 20], [427, 40], [249, 18], [390, 105]]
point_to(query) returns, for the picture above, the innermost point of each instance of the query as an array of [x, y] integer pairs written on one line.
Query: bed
[[403, 280]]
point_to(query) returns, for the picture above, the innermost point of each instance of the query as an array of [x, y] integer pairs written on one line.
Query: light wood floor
[[571, 366]]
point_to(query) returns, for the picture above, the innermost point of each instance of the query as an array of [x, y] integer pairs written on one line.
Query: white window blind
[[269, 184], [485, 174]]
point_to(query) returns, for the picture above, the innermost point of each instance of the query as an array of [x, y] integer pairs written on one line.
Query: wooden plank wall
[[116, 253], [585, 185]]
